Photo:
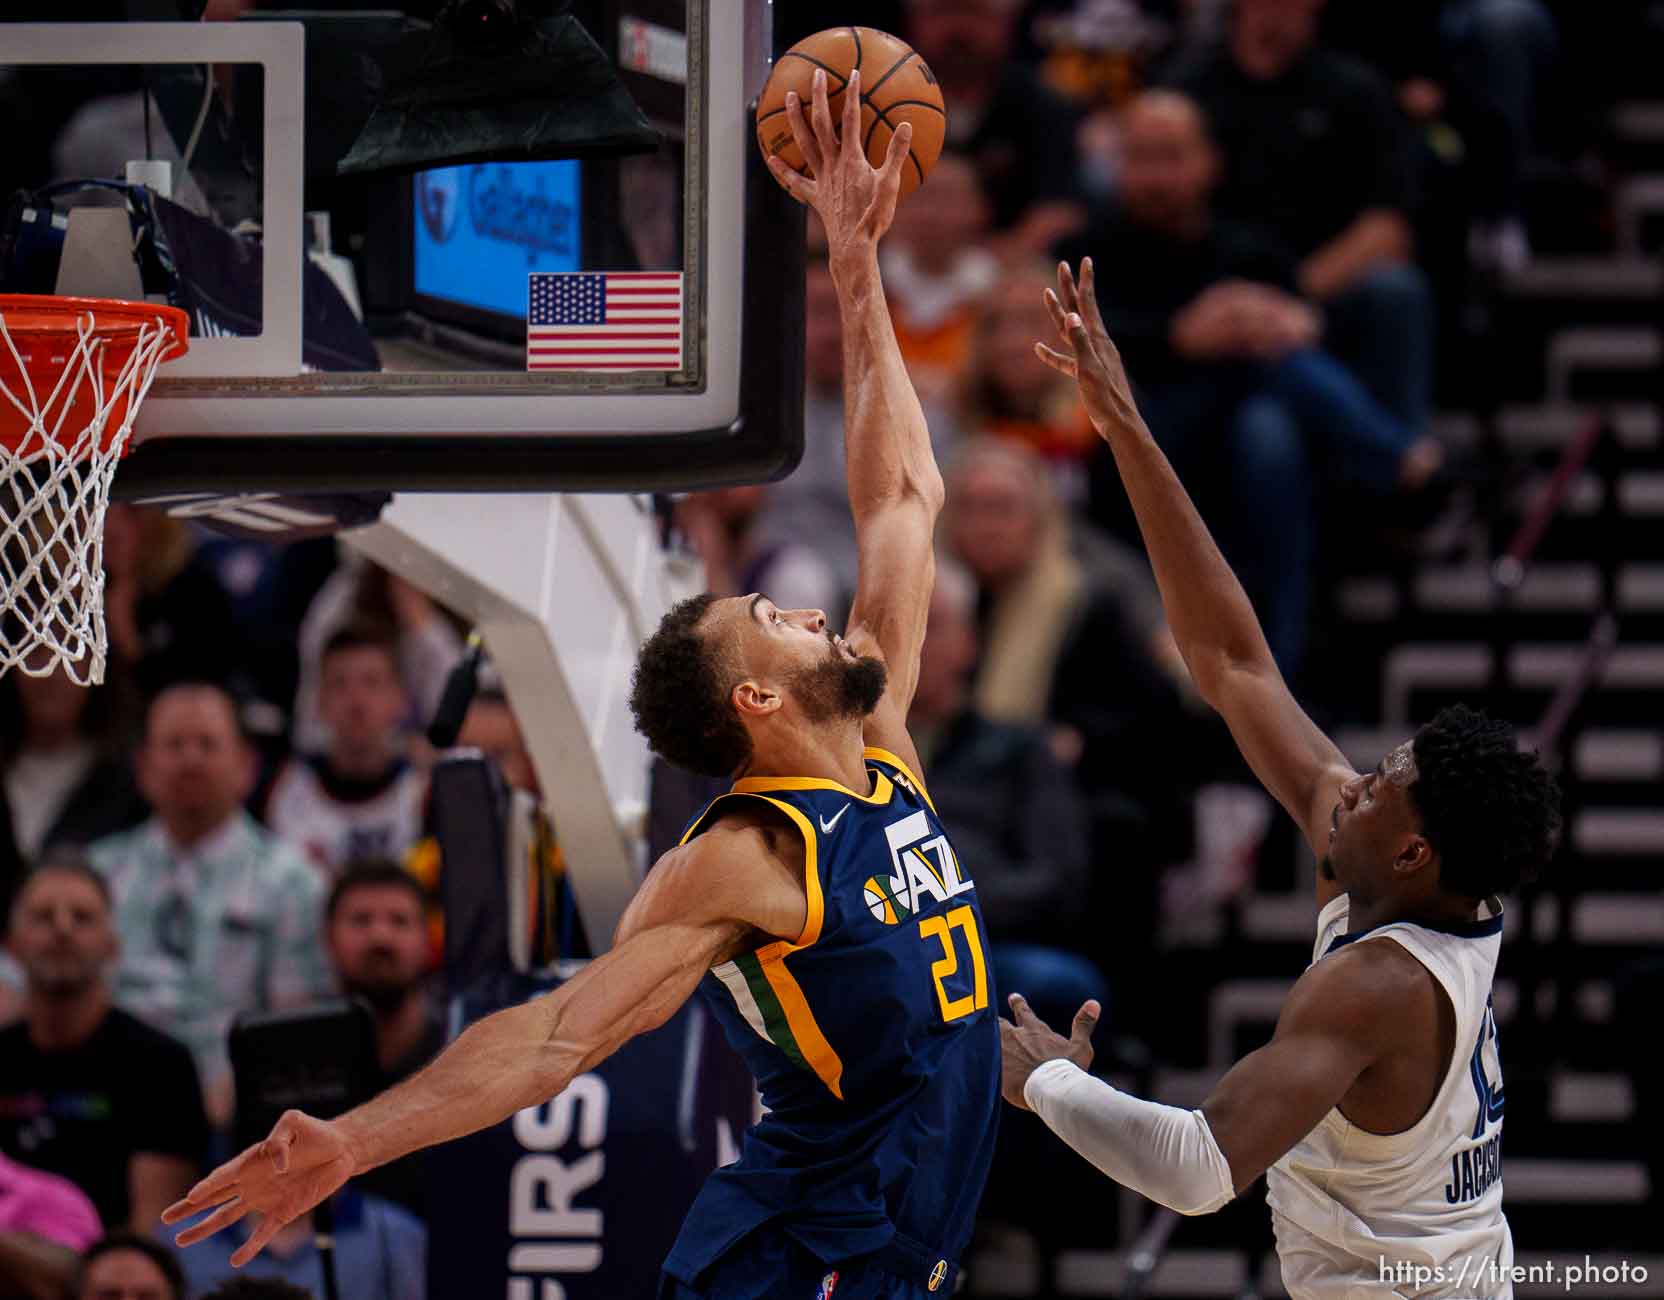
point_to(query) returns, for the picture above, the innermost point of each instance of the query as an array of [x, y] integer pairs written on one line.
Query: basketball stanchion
[[73, 372]]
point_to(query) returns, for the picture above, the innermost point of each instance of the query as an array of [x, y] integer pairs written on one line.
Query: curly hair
[[1491, 812], [680, 696]]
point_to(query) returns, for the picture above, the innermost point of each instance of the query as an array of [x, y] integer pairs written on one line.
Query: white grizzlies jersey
[[1418, 1213], [338, 823]]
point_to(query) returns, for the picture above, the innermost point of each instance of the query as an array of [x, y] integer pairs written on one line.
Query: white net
[[68, 395]]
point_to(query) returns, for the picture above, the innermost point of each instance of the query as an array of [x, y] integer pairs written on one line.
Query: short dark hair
[[372, 872], [1490, 811], [198, 685], [257, 1288], [363, 634], [680, 696], [69, 862], [151, 1249]]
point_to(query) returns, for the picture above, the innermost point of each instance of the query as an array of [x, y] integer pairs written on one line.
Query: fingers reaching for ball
[[873, 82]]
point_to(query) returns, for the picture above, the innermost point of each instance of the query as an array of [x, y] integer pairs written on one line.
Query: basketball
[[896, 86]]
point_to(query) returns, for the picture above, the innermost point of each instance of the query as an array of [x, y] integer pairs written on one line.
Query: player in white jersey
[[1376, 1109]]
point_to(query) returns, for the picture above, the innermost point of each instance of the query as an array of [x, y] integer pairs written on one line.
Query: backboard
[[379, 339]]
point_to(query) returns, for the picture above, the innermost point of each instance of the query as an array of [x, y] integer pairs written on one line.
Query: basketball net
[[72, 375]]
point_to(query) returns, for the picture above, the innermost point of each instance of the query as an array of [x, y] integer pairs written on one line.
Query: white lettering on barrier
[[543, 1187]]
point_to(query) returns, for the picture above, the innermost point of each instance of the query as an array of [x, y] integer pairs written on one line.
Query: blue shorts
[[770, 1265]]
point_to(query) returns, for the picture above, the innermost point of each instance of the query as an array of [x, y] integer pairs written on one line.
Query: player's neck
[[1438, 912], [830, 751]]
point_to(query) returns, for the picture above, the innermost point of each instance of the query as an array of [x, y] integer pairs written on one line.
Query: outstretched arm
[[1341, 1018], [895, 489], [702, 903], [1209, 613]]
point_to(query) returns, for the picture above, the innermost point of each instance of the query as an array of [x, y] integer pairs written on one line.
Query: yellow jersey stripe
[[884, 755], [822, 1059]]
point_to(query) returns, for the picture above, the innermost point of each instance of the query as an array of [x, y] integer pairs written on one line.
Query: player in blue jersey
[[818, 906]]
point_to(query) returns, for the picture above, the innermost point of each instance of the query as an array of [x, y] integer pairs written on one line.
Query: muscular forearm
[[1378, 235], [33, 1267], [1208, 612], [886, 440], [1166, 1154], [500, 1065], [526, 1054]]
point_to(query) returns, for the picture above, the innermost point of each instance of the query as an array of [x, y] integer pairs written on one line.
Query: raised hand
[[1088, 355], [301, 1164], [856, 200], [1027, 1042]]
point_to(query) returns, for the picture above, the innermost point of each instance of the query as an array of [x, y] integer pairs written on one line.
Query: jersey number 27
[[941, 927]]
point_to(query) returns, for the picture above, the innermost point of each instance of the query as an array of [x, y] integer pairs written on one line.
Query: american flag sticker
[[604, 320]]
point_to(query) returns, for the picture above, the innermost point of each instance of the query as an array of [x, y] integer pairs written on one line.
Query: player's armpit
[[1340, 1019]]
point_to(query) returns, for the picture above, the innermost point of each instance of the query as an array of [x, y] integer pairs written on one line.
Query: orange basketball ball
[[896, 87]]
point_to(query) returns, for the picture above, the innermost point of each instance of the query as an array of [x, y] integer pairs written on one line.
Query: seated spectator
[[1038, 573], [1020, 134], [65, 779], [129, 1266], [1008, 394], [429, 645], [44, 1221], [1483, 65], [215, 914], [723, 528], [376, 929], [1231, 378], [1336, 194], [1073, 637], [71, 1100], [938, 275], [361, 798], [167, 615], [380, 1254]]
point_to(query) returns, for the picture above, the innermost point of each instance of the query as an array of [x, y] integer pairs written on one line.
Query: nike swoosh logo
[[826, 826]]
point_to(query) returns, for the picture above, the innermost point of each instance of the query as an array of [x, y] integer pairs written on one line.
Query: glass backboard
[[628, 316]]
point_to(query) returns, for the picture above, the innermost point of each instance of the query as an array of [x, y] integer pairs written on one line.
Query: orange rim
[[36, 314]]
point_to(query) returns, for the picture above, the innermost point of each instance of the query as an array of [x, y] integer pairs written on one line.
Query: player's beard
[[839, 687]]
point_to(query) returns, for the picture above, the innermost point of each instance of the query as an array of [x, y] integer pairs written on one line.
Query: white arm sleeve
[[1166, 1154]]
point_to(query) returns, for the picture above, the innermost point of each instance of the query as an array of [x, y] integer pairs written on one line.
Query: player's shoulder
[[1365, 988], [741, 868], [744, 846]]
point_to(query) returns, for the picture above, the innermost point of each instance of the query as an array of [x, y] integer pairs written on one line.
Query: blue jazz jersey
[[873, 1037]]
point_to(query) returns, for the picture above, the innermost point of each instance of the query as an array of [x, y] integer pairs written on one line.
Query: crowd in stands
[[224, 826], [169, 863]]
